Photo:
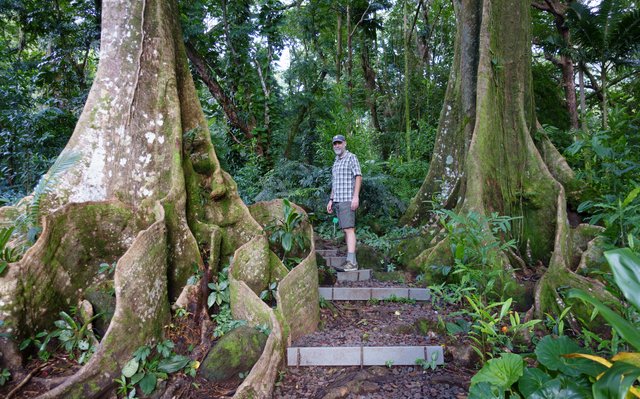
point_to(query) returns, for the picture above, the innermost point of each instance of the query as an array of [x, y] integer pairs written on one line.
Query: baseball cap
[[338, 137]]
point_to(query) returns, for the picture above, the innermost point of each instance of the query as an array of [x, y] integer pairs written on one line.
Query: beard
[[338, 151]]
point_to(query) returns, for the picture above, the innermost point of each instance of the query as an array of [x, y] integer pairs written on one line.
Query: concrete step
[[365, 294], [335, 261], [363, 355], [358, 275], [327, 252]]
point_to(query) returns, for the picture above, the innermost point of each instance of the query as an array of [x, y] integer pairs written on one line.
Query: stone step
[[327, 252], [364, 355], [365, 293], [335, 261], [357, 275]]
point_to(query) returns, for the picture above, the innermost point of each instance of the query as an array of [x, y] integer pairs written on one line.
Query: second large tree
[[485, 159]]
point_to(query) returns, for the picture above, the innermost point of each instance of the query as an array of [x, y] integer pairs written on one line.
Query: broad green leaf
[[555, 389], [211, 300], [626, 272], [173, 364], [137, 377], [505, 307], [287, 242], [626, 330], [142, 352], [148, 383], [550, 351], [532, 380], [632, 195], [616, 381], [484, 390], [502, 372], [130, 368]]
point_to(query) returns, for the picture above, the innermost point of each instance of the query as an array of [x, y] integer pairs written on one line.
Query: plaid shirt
[[344, 174]]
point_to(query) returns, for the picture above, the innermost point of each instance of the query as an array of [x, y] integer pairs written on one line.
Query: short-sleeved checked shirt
[[344, 174]]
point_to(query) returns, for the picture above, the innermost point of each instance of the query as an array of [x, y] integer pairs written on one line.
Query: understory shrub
[[563, 368]]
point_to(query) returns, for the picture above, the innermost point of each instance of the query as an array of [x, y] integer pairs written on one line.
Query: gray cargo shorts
[[346, 217]]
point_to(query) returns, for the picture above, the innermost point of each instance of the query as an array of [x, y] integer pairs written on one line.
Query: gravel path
[[366, 323], [371, 382], [375, 324]]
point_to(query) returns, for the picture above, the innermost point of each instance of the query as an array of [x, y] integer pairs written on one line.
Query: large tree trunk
[[149, 193], [485, 160]]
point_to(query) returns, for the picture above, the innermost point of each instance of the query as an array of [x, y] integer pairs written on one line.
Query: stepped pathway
[[375, 341]]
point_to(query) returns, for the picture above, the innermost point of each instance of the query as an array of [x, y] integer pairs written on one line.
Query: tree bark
[[148, 193], [407, 78], [338, 45], [370, 85], [565, 62]]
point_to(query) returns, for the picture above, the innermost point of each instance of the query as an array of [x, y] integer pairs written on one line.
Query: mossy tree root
[[142, 311]]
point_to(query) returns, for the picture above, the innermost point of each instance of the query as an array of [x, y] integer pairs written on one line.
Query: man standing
[[345, 196]]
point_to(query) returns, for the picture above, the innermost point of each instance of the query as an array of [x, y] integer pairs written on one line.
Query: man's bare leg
[[350, 238]]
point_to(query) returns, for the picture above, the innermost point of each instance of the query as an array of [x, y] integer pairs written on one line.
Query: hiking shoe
[[347, 267]]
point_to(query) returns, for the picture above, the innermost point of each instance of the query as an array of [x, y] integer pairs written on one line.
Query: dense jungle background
[[277, 79]]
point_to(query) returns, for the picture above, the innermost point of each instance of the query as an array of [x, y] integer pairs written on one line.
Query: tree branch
[[202, 69]]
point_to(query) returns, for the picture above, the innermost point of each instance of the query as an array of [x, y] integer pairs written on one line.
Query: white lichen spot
[[123, 161], [160, 120], [150, 136], [92, 187], [161, 139]]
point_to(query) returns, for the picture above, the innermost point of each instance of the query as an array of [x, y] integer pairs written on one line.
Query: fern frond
[[48, 181]]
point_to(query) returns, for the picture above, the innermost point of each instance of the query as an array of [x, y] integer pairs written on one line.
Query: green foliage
[[269, 294], [621, 217], [502, 372], [5, 375], [477, 243], [47, 61], [430, 364], [7, 254], [28, 223], [549, 97], [225, 322], [220, 298], [219, 294], [564, 369], [150, 365], [40, 341], [286, 235], [626, 266], [490, 331], [106, 268], [75, 337], [72, 335]]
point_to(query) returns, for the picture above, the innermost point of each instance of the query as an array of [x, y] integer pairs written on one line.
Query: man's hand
[[355, 203], [330, 206]]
